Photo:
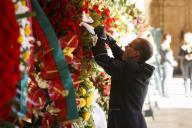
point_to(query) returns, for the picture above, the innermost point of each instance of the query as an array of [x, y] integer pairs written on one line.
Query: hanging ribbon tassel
[[23, 96], [59, 59]]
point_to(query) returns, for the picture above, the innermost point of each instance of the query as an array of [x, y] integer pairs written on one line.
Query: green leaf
[[25, 15]]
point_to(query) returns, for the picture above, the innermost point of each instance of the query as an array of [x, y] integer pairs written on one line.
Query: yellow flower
[[86, 116], [82, 102], [89, 99], [16, 6], [83, 2], [23, 2], [91, 94], [68, 52], [82, 91], [27, 30], [20, 39], [26, 55]]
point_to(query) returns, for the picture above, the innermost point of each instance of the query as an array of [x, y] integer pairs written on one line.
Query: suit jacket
[[129, 84]]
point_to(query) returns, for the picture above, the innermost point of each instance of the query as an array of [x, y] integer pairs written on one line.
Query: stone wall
[[172, 16]]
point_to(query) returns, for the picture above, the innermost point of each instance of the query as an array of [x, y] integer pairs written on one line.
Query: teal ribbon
[[59, 59], [23, 94]]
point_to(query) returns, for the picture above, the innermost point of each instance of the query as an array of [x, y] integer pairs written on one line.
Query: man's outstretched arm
[[112, 66], [116, 50]]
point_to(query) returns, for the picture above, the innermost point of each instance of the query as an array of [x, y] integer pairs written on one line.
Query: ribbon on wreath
[[59, 59]]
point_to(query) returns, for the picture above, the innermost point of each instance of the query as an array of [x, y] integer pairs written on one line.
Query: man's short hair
[[145, 48]]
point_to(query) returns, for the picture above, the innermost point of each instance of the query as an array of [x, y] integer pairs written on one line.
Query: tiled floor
[[173, 112]]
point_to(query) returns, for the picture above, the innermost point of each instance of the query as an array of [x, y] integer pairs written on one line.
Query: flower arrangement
[[103, 83], [10, 55], [76, 50], [65, 17], [45, 94]]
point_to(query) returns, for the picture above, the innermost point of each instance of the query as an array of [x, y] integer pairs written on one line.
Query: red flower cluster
[[107, 20], [64, 15], [102, 82], [45, 90], [96, 8], [9, 53]]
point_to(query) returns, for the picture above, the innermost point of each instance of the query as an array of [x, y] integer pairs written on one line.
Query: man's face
[[130, 51]]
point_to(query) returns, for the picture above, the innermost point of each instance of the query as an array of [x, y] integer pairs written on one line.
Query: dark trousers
[[186, 67]]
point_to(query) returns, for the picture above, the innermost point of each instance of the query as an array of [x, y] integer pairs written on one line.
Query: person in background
[[130, 77], [168, 62], [185, 55]]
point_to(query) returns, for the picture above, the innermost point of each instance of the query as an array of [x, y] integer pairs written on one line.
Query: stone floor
[[172, 112], [171, 118]]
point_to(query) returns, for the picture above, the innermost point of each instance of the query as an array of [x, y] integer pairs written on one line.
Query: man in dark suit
[[130, 78]]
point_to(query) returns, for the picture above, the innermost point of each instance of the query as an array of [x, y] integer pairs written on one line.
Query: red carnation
[[9, 53]]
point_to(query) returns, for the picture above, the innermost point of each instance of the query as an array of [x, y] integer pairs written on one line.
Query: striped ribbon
[[23, 94]]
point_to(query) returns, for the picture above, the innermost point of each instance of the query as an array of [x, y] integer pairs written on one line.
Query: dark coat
[[186, 65], [129, 86]]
